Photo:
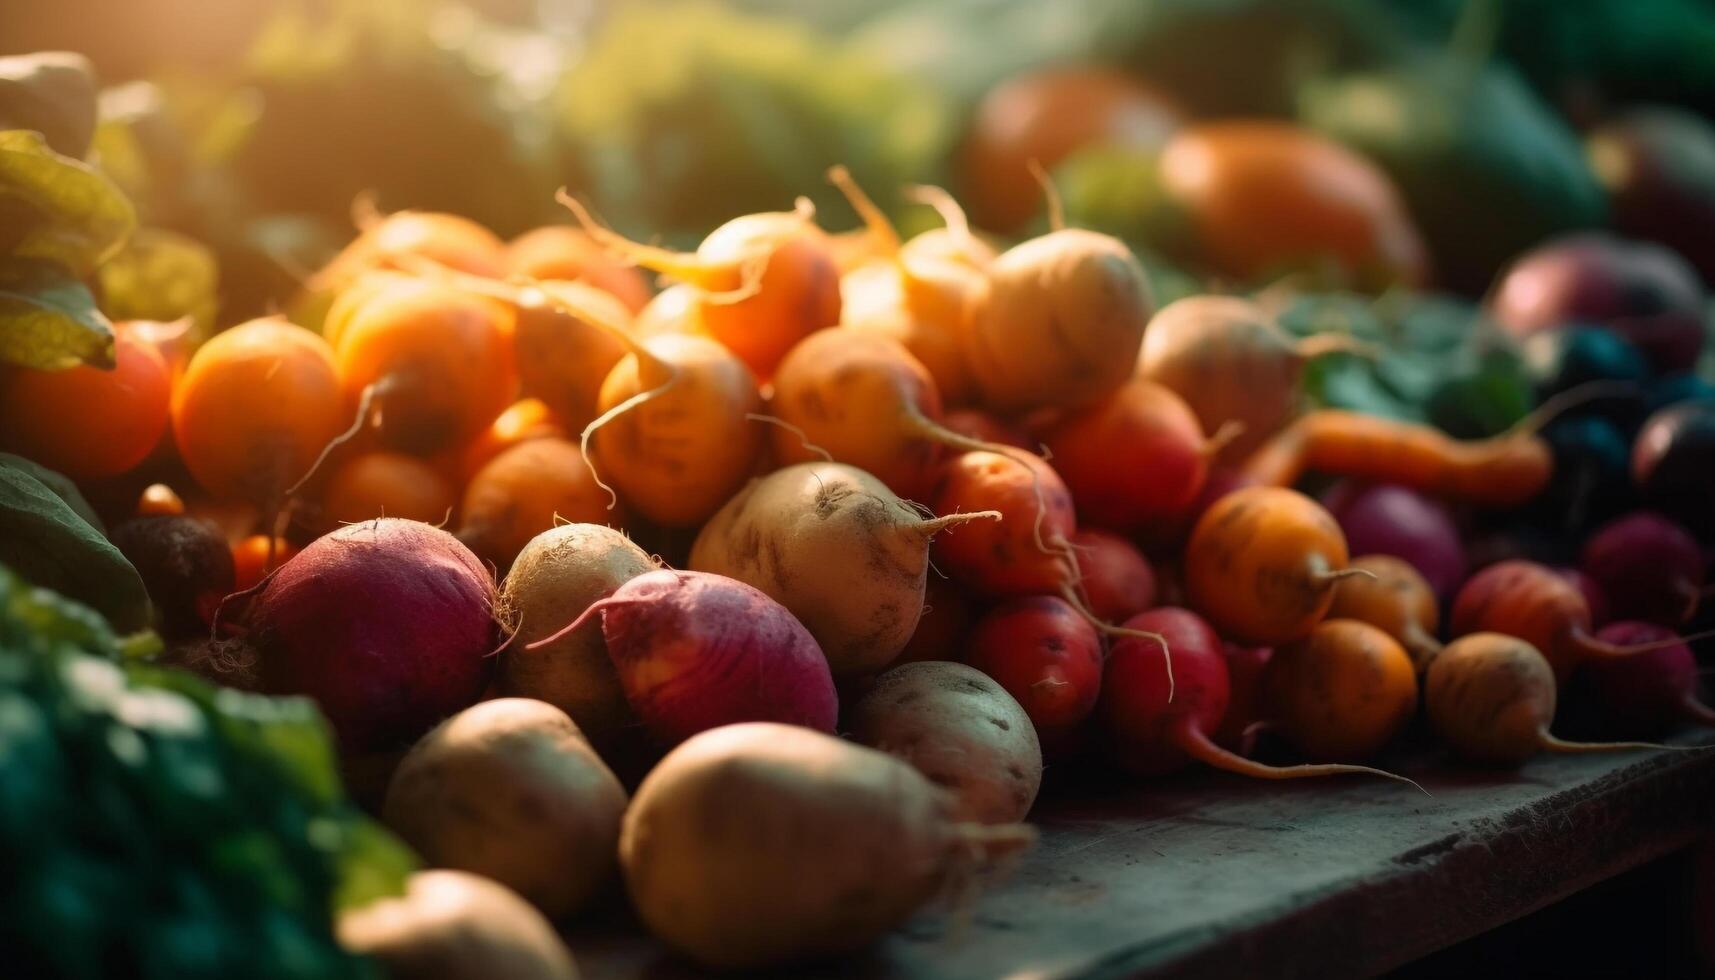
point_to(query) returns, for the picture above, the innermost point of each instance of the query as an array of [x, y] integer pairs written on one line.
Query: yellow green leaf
[[48, 320], [72, 213]]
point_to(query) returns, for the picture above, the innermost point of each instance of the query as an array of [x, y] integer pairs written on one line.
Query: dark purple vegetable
[[1644, 292], [185, 565], [1645, 694], [1673, 464], [1658, 165], [1387, 519], [1594, 597], [1649, 567]]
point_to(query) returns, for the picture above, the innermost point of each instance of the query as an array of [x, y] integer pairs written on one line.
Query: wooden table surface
[[1213, 875]]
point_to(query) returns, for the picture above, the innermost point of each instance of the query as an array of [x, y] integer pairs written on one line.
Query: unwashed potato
[[762, 844], [510, 789], [451, 925], [959, 728], [556, 577]]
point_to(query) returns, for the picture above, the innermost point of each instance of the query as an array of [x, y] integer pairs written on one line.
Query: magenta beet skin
[[1386, 519], [1645, 293], [695, 651], [387, 624]]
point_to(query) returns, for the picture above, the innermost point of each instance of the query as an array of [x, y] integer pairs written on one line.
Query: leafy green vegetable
[[53, 93], [162, 275], [48, 320], [1439, 362], [60, 484], [683, 115], [394, 97], [1486, 168], [155, 823], [68, 212], [44, 538]]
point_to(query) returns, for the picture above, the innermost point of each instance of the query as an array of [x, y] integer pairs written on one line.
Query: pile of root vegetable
[[769, 593]]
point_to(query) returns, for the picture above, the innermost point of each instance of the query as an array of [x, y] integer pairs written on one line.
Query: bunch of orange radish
[[501, 389]]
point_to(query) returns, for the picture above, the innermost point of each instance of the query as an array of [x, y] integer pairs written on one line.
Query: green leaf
[[1439, 361], [43, 539], [72, 213], [48, 320], [59, 484], [372, 864], [161, 275]]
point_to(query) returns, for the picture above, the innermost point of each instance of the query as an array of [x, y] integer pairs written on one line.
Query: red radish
[[1531, 602], [1152, 734], [1024, 553], [1649, 567], [695, 651], [1651, 693], [1047, 656], [1029, 551], [1135, 458], [388, 624], [1116, 577], [1245, 668], [1389, 519]]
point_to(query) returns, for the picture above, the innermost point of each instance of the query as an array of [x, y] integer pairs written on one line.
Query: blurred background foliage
[[254, 125]]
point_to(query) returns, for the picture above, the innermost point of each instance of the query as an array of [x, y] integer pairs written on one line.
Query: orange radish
[[1262, 564], [764, 281], [523, 420], [256, 406], [865, 400], [675, 435], [1492, 697], [1154, 729], [384, 484], [84, 421], [565, 253], [439, 359], [524, 491], [920, 302], [1343, 692], [1396, 599]]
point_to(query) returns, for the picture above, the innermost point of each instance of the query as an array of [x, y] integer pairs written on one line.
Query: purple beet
[[1647, 693], [1649, 567], [388, 624], [695, 651], [1673, 464], [1641, 291], [1658, 165], [1387, 519]]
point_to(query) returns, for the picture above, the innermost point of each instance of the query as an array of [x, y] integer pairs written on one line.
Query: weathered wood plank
[[1212, 875]]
